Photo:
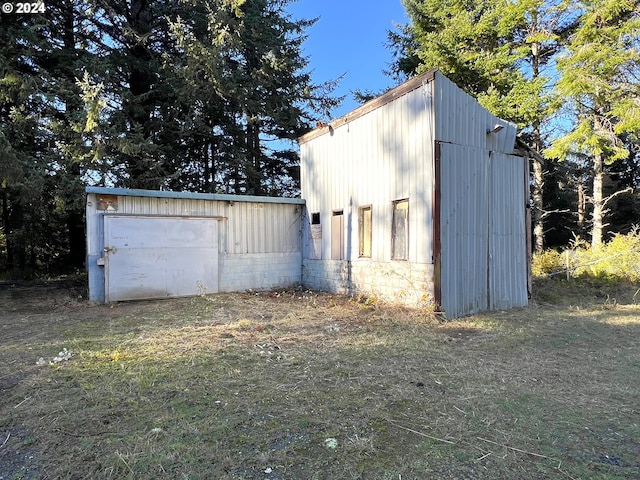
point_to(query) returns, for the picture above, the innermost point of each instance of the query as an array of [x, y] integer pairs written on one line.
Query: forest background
[[210, 96]]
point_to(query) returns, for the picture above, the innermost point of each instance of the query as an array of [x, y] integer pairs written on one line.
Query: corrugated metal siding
[[388, 154], [483, 257], [247, 227], [483, 249], [461, 120], [464, 230], [382, 156], [508, 267]]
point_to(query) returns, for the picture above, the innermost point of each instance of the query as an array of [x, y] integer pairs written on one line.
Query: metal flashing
[[131, 192]]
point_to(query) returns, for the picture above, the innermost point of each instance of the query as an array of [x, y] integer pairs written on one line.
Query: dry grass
[[300, 385]]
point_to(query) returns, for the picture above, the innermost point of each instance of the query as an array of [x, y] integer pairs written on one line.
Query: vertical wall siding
[[483, 247], [508, 279], [483, 230], [464, 230], [246, 227], [259, 243], [382, 156], [461, 120], [387, 154]]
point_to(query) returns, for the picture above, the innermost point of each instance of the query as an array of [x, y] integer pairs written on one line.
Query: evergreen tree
[[250, 57], [200, 96], [599, 77], [24, 168], [498, 51]]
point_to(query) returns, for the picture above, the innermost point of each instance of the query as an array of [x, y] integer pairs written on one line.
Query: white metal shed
[[418, 196], [154, 244]]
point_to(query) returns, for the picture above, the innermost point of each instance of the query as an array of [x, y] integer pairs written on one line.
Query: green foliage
[[617, 260], [196, 96], [244, 62], [598, 83], [529, 61], [492, 49], [546, 262]]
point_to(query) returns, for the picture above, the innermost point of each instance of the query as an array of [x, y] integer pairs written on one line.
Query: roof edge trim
[[388, 97], [132, 192]]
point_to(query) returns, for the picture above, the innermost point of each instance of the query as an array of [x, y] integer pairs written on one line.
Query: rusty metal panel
[[158, 257], [107, 202]]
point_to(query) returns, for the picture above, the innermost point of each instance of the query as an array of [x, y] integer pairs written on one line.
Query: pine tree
[[599, 77], [209, 95], [251, 58], [498, 51], [23, 141], [200, 96]]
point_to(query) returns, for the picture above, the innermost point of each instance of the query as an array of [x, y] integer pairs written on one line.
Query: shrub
[[546, 263], [618, 259]]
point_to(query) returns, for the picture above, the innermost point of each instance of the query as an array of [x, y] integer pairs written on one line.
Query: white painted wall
[[367, 162], [386, 151], [373, 159], [259, 242]]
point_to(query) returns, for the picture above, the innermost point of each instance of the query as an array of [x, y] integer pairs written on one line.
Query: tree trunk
[[598, 204], [538, 173], [75, 214], [77, 247], [582, 202], [537, 195], [206, 159], [7, 228], [253, 167], [139, 107]]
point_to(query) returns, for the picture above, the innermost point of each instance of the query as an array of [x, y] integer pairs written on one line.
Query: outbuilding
[[418, 196], [145, 244]]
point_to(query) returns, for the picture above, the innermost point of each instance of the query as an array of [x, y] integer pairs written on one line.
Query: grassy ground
[[300, 385]]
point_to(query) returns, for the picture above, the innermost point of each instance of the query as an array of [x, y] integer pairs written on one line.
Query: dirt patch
[[17, 458]]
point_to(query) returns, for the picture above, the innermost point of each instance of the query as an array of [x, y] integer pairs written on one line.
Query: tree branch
[[619, 192]]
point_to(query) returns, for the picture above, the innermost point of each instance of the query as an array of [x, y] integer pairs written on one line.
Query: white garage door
[[159, 257]]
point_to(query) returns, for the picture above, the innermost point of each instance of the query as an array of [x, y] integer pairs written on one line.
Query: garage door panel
[[158, 257], [161, 232], [191, 270]]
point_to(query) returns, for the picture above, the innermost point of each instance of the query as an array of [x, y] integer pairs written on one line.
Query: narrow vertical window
[[315, 244], [400, 230], [337, 235], [364, 229]]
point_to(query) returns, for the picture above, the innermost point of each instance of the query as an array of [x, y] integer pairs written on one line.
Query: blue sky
[[349, 38]]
